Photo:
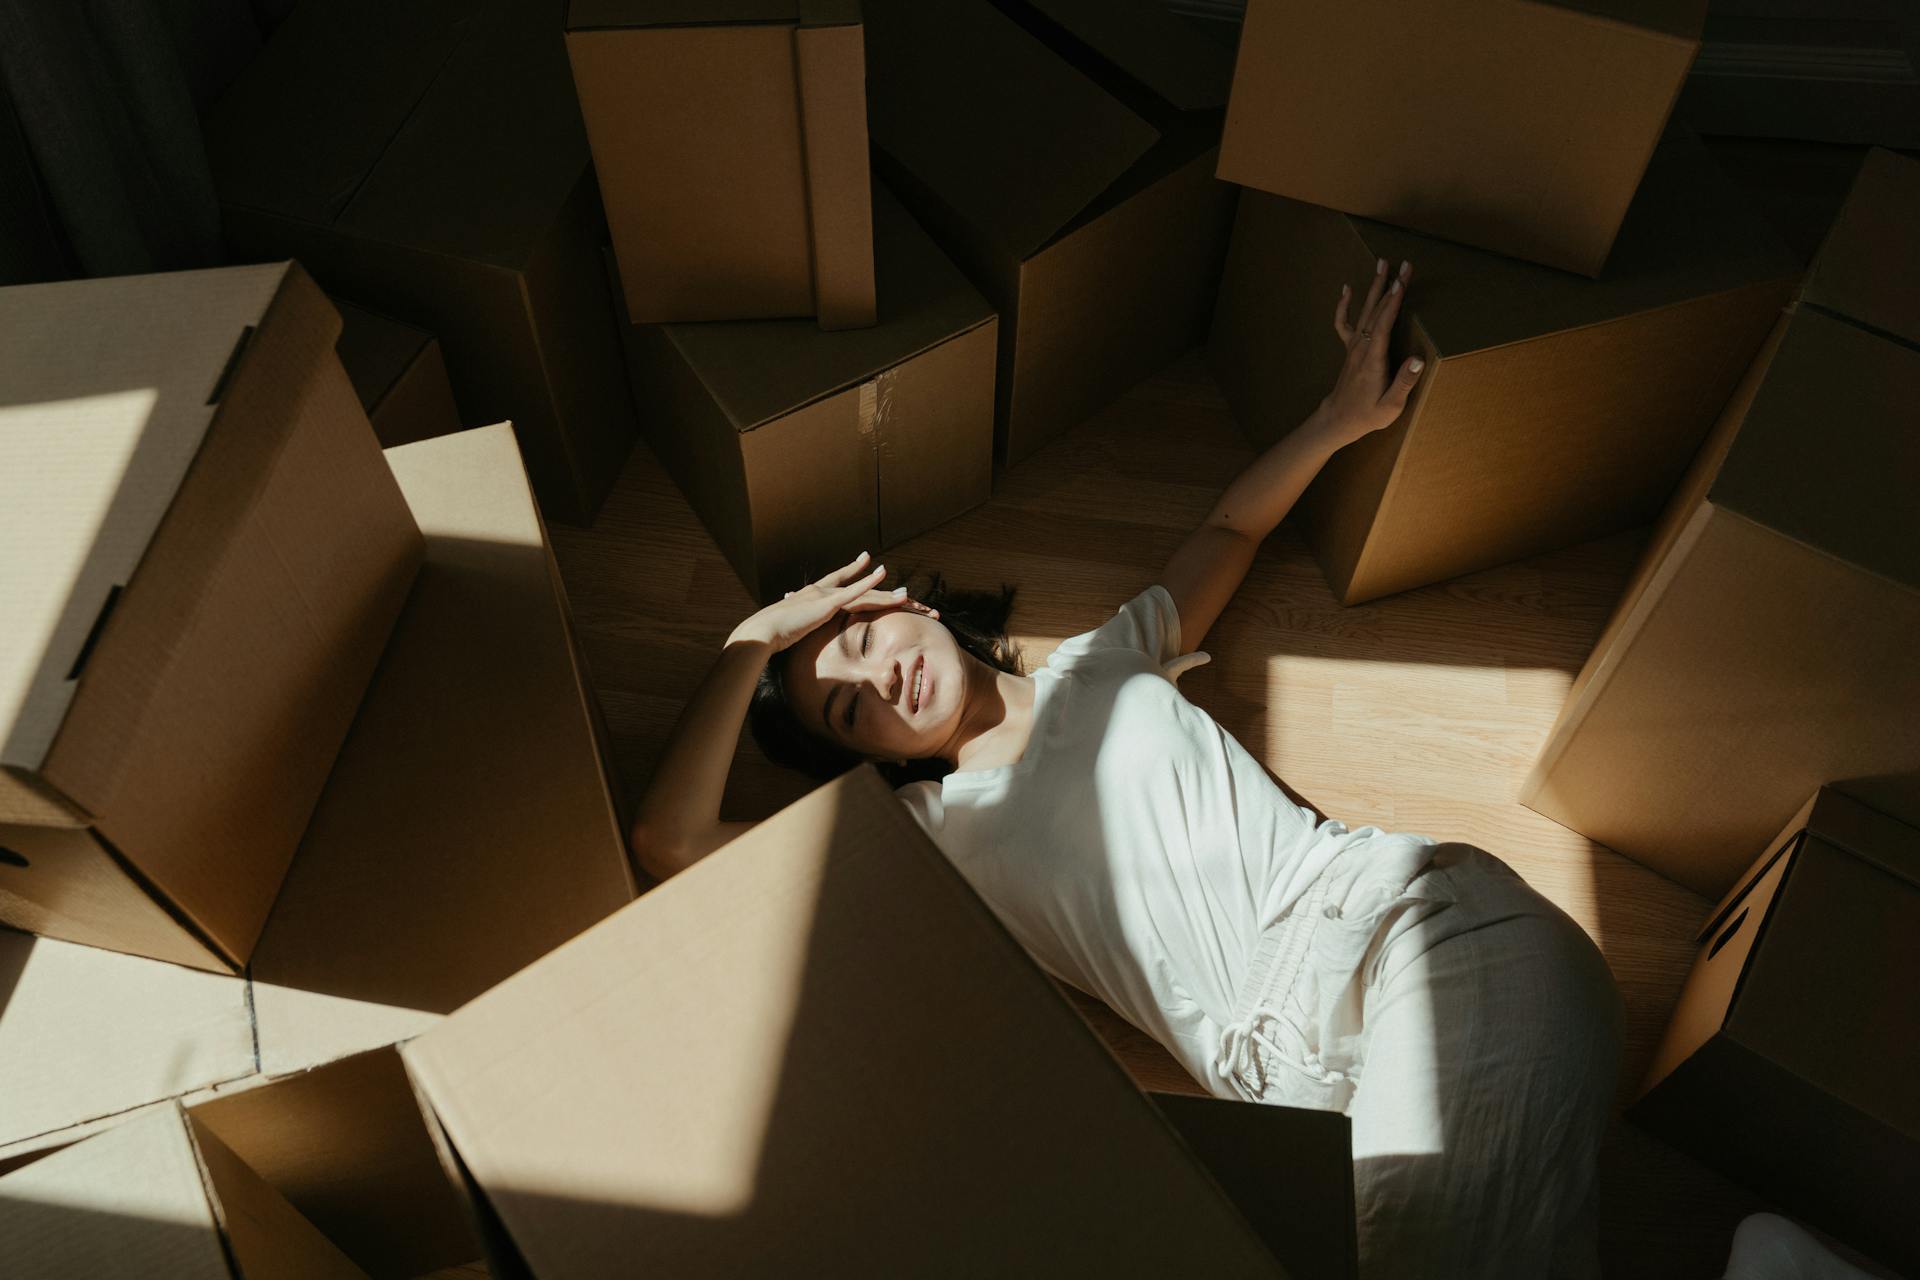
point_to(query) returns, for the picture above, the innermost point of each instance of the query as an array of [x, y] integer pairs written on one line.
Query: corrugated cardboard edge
[[830, 67]]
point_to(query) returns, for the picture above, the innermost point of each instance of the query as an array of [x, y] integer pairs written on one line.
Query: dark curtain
[[102, 169]]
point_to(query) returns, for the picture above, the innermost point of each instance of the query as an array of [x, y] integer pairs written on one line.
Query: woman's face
[[888, 684]]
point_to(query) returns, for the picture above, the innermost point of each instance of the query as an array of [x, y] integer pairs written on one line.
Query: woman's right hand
[[851, 587]]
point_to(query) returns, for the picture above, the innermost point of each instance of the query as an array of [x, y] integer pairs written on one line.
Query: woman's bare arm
[[1210, 565], [678, 819]]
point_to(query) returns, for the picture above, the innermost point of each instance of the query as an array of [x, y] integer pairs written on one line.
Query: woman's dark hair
[[978, 623]]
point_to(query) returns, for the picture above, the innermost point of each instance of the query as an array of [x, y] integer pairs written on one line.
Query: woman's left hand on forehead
[[876, 600]]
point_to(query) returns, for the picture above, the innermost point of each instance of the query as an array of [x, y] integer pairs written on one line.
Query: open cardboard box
[[428, 160], [800, 448], [1552, 409], [399, 375], [817, 1052], [203, 557], [1791, 1058], [156, 1196], [469, 826], [730, 139], [347, 1147], [1511, 125], [1764, 646], [1062, 151]]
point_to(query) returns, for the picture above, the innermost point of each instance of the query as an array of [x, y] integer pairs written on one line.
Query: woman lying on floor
[[1467, 1026]]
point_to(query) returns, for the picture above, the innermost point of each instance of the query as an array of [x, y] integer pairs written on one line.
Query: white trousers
[[1472, 1032]]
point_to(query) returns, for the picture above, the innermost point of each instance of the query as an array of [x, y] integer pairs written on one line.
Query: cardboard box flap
[[586, 15], [814, 1052], [978, 110], [759, 370], [486, 161], [92, 1033], [1289, 1170], [466, 828], [266, 1235], [1151, 44], [110, 388], [1680, 19], [1864, 832], [376, 350], [1687, 234], [296, 136], [1828, 450], [129, 1202], [1868, 269]]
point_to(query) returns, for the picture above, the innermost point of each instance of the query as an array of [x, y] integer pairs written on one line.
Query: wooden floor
[[1420, 712]]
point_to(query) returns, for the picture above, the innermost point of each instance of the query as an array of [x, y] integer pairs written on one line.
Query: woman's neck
[[994, 720]]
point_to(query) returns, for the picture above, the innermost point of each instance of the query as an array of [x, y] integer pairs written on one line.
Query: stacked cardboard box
[[1063, 153], [157, 1196], [800, 448], [1764, 646], [1791, 1058], [204, 557], [1552, 409], [1506, 124], [731, 144], [399, 375], [428, 160]]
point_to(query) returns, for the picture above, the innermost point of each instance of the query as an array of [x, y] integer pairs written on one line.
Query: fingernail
[[1380, 267], [1405, 269], [899, 591], [1345, 290], [1416, 365], [1394, 287]]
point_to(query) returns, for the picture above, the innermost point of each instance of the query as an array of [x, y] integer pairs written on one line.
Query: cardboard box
[[428, 160], [347, 1147], [1514, 126], [1764, 646], [1552, 409], [1289, 1170], [468, 827], [399, 375], [157, 1196], [731, 144], [204, 555], [1791, 1058], [1062, 151], [800, 448], [88, 1034], [814, 1052]]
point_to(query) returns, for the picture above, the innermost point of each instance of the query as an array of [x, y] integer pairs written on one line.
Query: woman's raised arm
[[678, 820], [1210, 565]]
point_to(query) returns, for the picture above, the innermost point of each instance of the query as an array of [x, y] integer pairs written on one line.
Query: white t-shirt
[[1135, 849]]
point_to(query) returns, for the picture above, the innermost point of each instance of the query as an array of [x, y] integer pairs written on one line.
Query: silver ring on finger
[[1366, 334]]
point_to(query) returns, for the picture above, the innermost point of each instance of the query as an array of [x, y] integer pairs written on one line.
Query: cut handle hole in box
[[1726, 934], [8, 858]]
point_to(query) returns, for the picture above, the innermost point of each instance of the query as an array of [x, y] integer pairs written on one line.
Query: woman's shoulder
[[1147, 625]]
